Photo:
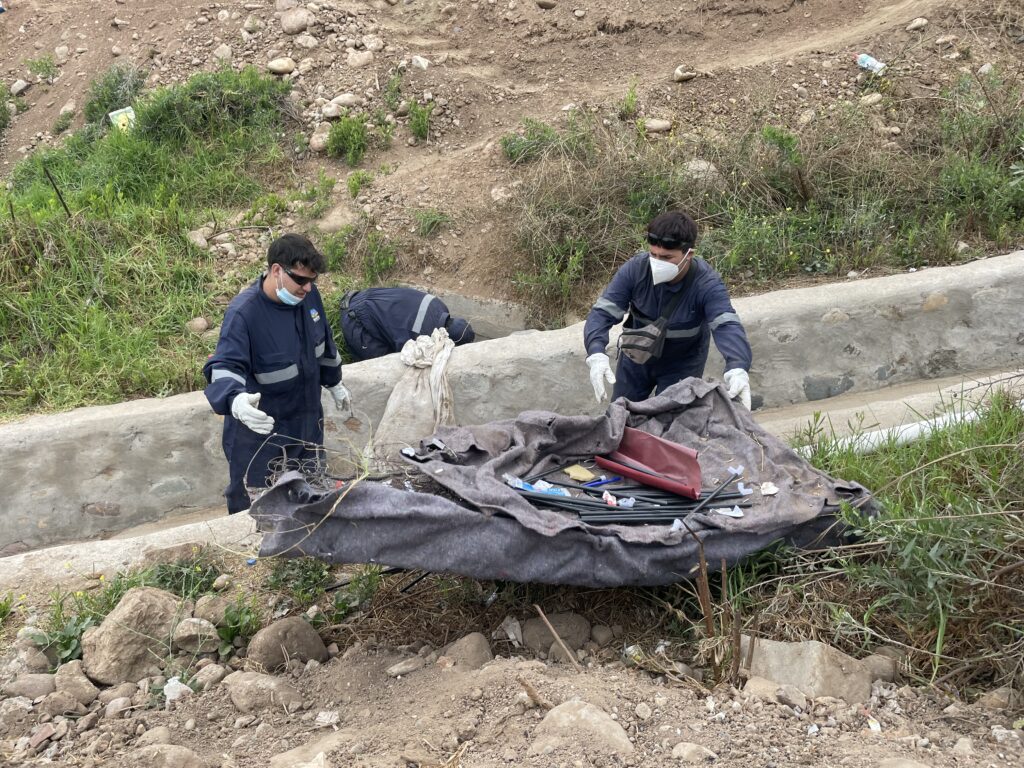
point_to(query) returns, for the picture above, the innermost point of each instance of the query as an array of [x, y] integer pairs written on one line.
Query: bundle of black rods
[[652, 506]]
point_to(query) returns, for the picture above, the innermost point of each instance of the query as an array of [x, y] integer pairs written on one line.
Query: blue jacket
[[286, 353], [704, 309], [393, 316]]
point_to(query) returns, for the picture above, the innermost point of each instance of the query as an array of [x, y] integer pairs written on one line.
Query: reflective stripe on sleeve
[[609, 306], [331, 362], [417, 326], [319, 351], [725, 317], [221, 373], [275, 377]]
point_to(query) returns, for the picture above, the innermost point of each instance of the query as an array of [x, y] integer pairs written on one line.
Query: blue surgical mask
[[286, 296]]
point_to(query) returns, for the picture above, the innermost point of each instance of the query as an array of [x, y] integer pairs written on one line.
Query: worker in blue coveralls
[[274, 353], [645, 287], [378, 321]]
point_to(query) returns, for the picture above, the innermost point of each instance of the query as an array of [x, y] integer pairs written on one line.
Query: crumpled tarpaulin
[[495, 534]]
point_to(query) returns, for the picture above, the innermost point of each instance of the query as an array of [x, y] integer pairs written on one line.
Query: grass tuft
[[349, 139], [419, 120], [116, 89], [430, 221]]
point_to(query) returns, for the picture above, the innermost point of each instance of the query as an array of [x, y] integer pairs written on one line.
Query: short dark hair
[[675, 225], [291, 249]]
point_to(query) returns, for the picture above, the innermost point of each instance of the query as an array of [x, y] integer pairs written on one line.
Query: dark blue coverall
[[378, 321], [704, 310], [285, 353]]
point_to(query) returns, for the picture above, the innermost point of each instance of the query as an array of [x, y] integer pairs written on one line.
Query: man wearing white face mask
[[667, 280], [274, 354]]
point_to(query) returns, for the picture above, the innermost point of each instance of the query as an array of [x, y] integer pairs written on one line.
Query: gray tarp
[[495, 534]]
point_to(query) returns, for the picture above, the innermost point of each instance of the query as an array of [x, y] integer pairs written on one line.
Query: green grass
[[392, 93], [430, 221], [629, 107], [935, 573], [303, 578], [419, 120], [106, 294], [823, 199], [356, 181]]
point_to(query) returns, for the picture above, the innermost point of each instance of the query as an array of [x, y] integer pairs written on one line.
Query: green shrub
[[419, 120], [356, 181], [629, 108], [348, 139], [303, 578], [115, 89], [379, 257], [63, 122], [44, 68], [5, 116], [392, 94]]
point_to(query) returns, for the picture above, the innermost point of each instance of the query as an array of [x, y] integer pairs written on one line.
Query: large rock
[[71, 679], [296, 21], [571, 627], [579, 724], [212, 608], [688, 752], [31, 686], [167, 756], [60, 703], [252, 692], [283, 65], [469, 652], [291, 638], [196, 636], [132, 638], [813, 667]]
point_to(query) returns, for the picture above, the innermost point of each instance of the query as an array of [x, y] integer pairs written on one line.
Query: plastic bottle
[[864, 61]]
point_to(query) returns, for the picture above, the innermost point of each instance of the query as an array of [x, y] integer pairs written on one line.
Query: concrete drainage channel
[[95, 471]]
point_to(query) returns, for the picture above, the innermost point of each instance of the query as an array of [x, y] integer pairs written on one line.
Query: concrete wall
[[76, 475]]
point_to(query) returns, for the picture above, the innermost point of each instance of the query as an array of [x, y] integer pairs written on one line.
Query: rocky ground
[[494, 688]]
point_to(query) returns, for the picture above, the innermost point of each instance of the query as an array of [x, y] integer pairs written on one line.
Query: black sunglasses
[[668, 243], [299, 279]]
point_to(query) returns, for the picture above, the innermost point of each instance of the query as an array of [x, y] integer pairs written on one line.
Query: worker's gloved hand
[[600, 373], [738, 382], [243, 408], [342, 398]]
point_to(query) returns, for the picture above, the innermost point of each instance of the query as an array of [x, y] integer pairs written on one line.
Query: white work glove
[[600, 373], [342, 398], [738, 382], [243, 408]]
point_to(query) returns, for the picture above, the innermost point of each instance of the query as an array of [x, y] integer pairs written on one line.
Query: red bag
[[656, 462]]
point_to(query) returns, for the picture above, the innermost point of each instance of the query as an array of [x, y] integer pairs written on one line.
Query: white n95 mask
[[663, 271]]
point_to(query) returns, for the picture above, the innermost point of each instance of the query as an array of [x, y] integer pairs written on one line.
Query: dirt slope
[[492, 64]]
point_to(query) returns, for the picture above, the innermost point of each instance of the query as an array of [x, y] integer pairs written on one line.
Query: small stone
[[919, 23], [985, 69], [546, 5], [19, 87], [198, 239], [318, 141], [407, 666], [307, 41], [682, 74], [222, 582], [419, 62], [946, 41], [61, 54], [348, 100], [117, 707], [359, 59], [116, 51], [792, 696], [643, 711], [284, 65], [222, 52], [871, 99], [373, 43], [159, 735], [964, 747], [687, 752], [579, 13], [296, 21], [1001, 698], [657, 125], [68, 108]]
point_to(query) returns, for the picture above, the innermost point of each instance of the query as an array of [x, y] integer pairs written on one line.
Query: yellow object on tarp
[[579, 474]]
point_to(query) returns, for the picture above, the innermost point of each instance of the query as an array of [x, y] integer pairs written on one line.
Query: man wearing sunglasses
[[379, 321], [274, 354], [668, 276]]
